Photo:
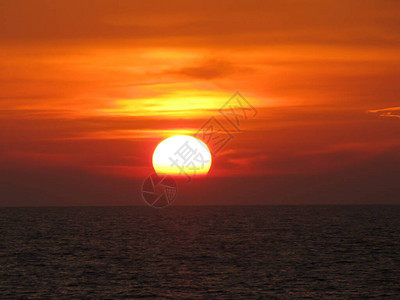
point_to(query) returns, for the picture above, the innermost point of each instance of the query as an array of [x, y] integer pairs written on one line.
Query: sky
[[89, 88]]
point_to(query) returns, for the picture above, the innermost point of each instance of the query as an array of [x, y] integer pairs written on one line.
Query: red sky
[[88, 89]]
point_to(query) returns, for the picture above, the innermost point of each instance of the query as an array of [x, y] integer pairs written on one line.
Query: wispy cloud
[[387, 112]]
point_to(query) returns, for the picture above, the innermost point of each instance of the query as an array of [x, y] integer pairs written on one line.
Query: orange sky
[[88, 89]]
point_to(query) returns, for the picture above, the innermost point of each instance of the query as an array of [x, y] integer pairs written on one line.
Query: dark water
[[200, 252]]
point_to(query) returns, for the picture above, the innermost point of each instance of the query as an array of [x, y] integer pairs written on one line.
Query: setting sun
[[182, 155]]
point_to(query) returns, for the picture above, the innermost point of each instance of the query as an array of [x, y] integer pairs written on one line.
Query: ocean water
[[268, 252]]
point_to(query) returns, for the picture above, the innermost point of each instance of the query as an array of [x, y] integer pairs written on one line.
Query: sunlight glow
[[183, 103]]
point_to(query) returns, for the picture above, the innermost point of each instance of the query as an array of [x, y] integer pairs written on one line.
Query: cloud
[[179, 22], [373, 181], [209, 69], [387, 112]]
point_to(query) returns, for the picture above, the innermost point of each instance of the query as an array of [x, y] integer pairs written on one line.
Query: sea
[[200, 252]]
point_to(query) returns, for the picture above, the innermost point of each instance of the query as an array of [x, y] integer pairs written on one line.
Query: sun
[[182, 155]]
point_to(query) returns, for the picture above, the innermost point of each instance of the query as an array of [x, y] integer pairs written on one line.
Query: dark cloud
[[209, 69], [374, 181]]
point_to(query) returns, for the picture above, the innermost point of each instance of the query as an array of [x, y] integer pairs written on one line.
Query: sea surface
[[225, 252]]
